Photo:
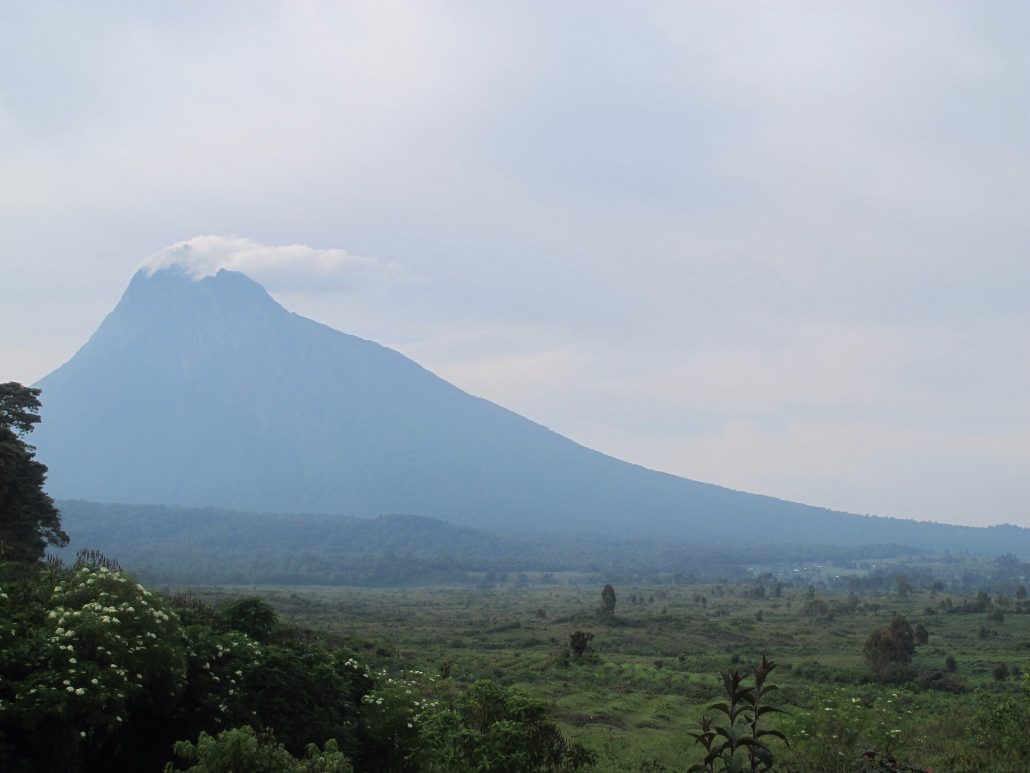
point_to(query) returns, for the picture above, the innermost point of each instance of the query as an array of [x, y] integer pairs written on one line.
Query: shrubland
[[99, 673], [632, 684], [102, 673]]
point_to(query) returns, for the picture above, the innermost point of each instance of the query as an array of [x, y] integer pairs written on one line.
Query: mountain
[[206, 392]]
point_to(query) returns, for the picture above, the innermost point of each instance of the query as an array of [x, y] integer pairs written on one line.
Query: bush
[[888, 650], [252, 616], [579, 643], [999, 740], [241, 749], [492, 729], [922, 636], [79, 651]]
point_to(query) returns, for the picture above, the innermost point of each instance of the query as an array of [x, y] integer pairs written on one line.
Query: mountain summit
[[203, 391]]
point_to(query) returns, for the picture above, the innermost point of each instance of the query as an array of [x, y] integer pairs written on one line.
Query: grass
[[655, 665]]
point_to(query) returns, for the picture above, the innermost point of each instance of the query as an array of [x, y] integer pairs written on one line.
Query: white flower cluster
[[102, 635]]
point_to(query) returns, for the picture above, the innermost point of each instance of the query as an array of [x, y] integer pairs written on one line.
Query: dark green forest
[[214, 546]]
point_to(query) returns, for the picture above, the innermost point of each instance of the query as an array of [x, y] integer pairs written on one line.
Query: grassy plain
[[655, 664]]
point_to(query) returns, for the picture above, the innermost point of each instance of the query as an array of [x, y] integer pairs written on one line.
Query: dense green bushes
[[494, 730], [241, 749], [98, 673]]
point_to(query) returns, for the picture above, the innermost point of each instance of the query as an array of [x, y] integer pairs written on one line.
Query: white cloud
[[287, 267]]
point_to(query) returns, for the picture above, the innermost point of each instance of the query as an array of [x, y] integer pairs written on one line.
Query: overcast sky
[[783, 247]]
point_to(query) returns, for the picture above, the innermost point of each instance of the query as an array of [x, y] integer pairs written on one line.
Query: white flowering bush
[[393, 710], [78, 648], [96, 670], [218, 664]]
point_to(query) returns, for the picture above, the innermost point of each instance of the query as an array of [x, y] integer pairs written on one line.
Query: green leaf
[[775, 734]]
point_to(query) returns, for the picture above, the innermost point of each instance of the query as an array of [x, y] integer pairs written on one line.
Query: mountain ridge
[[210, 545], [207, 392]]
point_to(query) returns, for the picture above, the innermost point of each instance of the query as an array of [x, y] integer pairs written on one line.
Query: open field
[[655, 663]]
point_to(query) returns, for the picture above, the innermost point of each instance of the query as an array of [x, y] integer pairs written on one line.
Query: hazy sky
[[783, 247]]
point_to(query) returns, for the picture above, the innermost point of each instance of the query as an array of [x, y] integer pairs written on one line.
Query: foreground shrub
[[79, 652], [492, 729], [252, 616], [241, 749], [100, 675], [1000, 741]]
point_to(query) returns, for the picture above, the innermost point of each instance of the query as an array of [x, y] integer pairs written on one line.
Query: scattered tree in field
[[1001, 672], [579, 643], [608, 599], [28, 519], [1021, 592], [922, 636], [904, 587], [950, 664], [888, 649]]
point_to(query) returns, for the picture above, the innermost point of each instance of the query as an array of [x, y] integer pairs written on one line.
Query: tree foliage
[[252, 616], [887, 650], [241, 749], [29, 521], [579, 643], [493, 729]]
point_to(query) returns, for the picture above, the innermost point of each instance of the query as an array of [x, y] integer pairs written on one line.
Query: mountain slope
[[209, 393]]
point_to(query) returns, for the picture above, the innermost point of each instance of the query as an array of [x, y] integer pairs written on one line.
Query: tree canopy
[[29, 521]]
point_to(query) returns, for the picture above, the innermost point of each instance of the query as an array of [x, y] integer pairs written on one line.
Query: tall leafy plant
[[739, 741]]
